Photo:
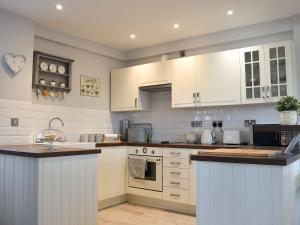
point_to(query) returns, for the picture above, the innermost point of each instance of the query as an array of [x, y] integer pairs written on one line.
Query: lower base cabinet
[[112, 174]]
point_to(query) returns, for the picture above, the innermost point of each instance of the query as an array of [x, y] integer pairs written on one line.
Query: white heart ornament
[[14, 62]]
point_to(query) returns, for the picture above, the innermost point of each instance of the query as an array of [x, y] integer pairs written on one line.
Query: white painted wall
[[16, 36], [85, 63]]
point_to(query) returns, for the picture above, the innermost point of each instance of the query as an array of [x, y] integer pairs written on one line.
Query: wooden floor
[[133, 214]]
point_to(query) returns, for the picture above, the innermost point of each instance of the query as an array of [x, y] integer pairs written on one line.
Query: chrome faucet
[[55, 118], [290, 148]]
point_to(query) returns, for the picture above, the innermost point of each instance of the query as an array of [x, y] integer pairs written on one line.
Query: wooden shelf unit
[[49, 76]]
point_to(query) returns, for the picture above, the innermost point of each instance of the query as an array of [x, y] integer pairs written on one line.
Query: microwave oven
[[273, 134]]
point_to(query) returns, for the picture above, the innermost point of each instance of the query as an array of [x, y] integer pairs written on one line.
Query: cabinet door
[[193, 187], [253, 75], [184, 82], [155, 73], [112, 172], [124, 89], [219, 78], [278, 70]]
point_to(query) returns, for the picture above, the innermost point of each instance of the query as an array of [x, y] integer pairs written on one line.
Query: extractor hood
[[157, 88]]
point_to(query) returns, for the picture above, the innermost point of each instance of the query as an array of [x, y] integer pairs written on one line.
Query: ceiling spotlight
[[132, 36], [230, 12], [176, 26], [59, 7]]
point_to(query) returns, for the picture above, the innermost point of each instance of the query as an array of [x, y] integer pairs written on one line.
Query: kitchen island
[[238, 190], [43, 187]]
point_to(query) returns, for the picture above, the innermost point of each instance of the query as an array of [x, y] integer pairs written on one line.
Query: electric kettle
[[208, 137]]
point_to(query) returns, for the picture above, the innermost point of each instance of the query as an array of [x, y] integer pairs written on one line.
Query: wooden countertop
[[41, 151]]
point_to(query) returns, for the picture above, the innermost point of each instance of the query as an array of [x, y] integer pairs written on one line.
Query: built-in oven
[[153, 177]]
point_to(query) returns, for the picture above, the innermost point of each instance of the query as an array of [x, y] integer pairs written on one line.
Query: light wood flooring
[[133, 214]]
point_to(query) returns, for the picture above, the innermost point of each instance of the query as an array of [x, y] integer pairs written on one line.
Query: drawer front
[[177, 173], [176, 195], [176, 163], [176, 153], [177, 183]]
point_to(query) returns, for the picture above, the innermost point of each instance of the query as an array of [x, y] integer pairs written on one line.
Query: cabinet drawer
[[177, 183], [176, 195], [177, 173], [176, 163], [176, 153]]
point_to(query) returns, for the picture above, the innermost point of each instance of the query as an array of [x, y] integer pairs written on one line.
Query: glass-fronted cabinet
[[253, 76], [266, 72], [278, 70]]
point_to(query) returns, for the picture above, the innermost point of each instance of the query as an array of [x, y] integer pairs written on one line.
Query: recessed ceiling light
[[59, 7], [176, 26], [132, 36], [230, 12]]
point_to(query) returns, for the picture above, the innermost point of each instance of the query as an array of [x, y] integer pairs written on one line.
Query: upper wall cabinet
[[278, 63], [155, 73], [184, 82], [219, 79], [125, 94], [266, 72]]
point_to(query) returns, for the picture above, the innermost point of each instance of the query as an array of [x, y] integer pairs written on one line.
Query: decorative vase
[[288, 117]]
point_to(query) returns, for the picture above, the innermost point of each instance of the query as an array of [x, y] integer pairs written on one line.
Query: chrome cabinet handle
[[194, 97], [198, 97], [175, 195], [268, 90], [174, 183], [135, 102], [175, 173], [175, 163], [263, 91]]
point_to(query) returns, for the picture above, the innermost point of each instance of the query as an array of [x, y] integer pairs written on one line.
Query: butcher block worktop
[[41, 151]]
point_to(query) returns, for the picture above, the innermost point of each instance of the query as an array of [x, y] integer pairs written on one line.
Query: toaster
[[232, 137]]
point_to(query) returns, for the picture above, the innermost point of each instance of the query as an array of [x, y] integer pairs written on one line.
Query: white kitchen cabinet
[[155, 73], [112, 172], [266, 72], [278, 66], [125, 93], [184, 82], [253, 74], [219, 79]]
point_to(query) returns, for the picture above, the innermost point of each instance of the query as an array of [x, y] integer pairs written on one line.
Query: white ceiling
[[110, 22]]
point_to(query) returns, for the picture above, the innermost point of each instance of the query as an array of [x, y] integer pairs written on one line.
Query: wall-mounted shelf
[[48, 76]]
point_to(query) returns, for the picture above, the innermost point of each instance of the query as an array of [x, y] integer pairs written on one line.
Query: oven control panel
[[142, 150]]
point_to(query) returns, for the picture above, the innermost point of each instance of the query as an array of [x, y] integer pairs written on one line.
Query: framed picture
[[89, 86]]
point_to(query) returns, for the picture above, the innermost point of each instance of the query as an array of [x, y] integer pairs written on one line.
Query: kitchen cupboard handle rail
[[175, 153], [175, 195], [175, 163], [135, 102], [175, 183], [194, 97], [175, 173], [198, 97]]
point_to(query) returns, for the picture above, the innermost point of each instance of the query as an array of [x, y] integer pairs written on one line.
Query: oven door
[[153, 176]]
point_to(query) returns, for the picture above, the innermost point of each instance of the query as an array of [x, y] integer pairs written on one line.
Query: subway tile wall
[[34, 117], [172, 124]]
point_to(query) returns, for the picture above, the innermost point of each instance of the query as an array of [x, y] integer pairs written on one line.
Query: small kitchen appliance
[[273, 134], [140, 133], [232, 137], [208, 137]]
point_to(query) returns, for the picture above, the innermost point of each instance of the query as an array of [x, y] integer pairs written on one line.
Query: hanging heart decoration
[[14, 62]]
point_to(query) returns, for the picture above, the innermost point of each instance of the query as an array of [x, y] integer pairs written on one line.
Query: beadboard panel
[[18, 188], [68, 190], [48, 191], [244, 194]]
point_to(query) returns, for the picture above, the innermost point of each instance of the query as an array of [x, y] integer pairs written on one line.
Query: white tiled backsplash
[[172, 124], [34, 117]]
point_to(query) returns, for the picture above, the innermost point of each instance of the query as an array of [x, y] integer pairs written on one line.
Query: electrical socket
[[14, 122], [248, 123], [217, 123], [196, 123]]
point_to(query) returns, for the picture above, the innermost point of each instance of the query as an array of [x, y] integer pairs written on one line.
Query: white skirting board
[[245, 194], [48, 191]]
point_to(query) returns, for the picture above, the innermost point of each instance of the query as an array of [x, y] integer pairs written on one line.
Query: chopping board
[[239, 152]]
